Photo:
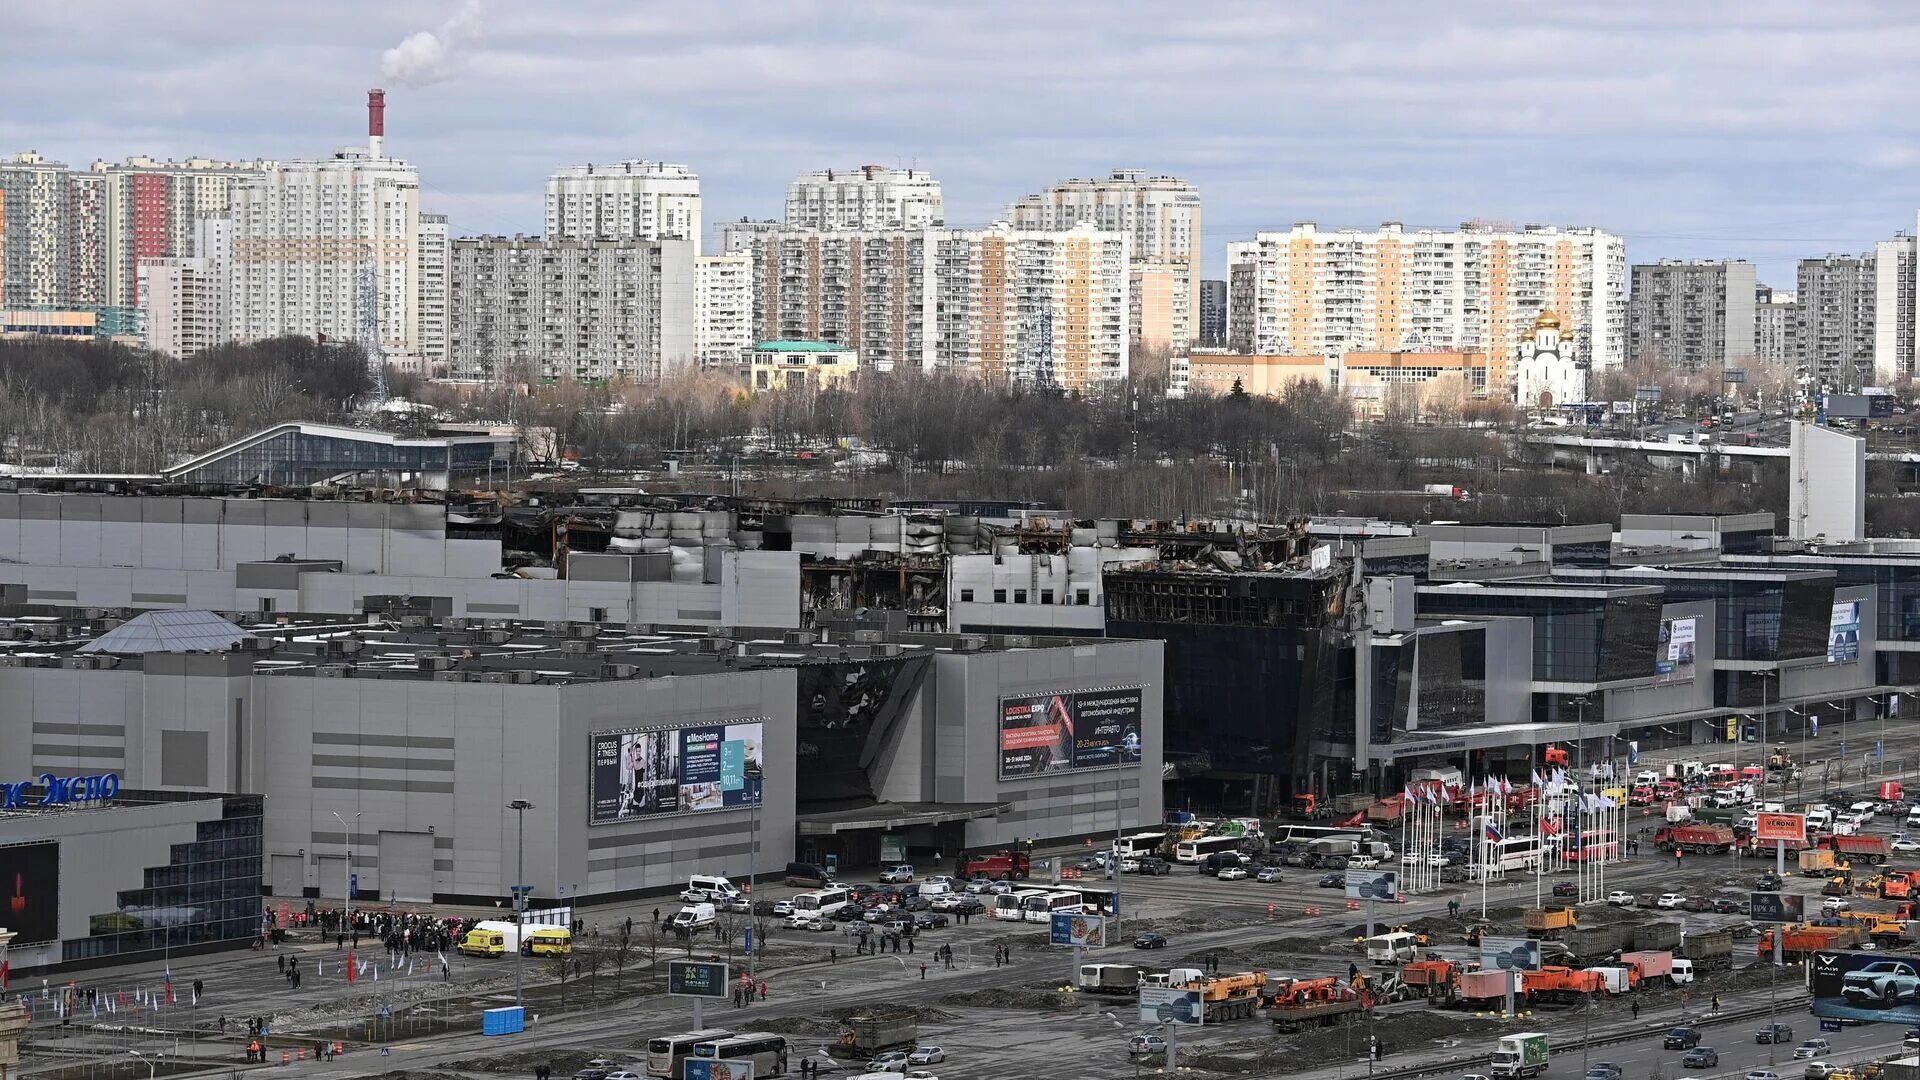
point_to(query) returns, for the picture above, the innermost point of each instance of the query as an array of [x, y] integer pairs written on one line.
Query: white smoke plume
[[430, 56]]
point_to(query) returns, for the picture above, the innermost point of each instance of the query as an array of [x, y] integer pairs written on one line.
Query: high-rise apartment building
[[86, 247], [1161, 215], [1893, 307], [1213, 313], [1692, 315], [723, 309], [626, 200], [869, 197], [599, 310], [152, 208], [304, 232], [1479, 288], [1774, 314], [436, 255], [183, 300], [1027, 306], [1833, 328], [36, 258]]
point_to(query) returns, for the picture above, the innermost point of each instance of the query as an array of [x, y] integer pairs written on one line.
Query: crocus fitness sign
[[58, 790]]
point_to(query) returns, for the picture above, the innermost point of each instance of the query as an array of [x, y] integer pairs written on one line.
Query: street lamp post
[[519, 807], [754, 773], [346, 884]]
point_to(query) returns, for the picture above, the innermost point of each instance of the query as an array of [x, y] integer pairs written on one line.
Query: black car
[[968, 905], [1680, 1038], [849, 913], [1701, 1057], [1155, 866], [931, 920], [1774, 1033], [1769, 882], [1334, 881], [1150, 941], [1566, 888], [916, 902], [1609, 1069]]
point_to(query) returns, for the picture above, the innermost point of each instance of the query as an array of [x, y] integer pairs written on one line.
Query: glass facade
[[1757, 616], [300, 457], [1453, 679], [1579, 636], [208, 892]]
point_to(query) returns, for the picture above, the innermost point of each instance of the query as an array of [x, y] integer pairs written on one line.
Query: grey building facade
[[1775, 313], [1833, 326], [1213, 313], [1692, 315]]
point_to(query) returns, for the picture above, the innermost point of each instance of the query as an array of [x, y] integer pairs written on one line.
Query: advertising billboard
[[1776, 907], [1865, 986], [1041, 734], [1843, 633], [680, 770], [1373, 885], [30, 891], [719, 1069], [1165, 1005], [1509, 954], [698, 978], [1080, 931], [1788, 827], [1673, 656]]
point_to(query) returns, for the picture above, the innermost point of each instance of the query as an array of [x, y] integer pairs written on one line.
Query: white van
[[1398, 947], [705, 887], [691, 919], [1820, 817], [1913, 817], [1647, 777]]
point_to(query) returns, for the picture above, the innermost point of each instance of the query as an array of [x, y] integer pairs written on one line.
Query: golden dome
[[1547, 321]]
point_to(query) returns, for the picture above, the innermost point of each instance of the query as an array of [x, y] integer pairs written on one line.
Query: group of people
[[746, 992], [401, 933]]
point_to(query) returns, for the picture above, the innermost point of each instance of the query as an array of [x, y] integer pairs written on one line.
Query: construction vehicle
[[1559, 984], [1648, 964], [1000, 865], [1380, 987], [1779, 758], [1549, 922], [1597, 944], [875, 1031], [1695, 839], [1225, 997], [1817, 862], [1436, 980], [1480, 989], [1520, 1055], [1556, 756], [1838, 885], [1110, 978], [1308, 807], [1858, 848], [1305, 1003], [1660, 935], [1710, 950], [1797, 942]]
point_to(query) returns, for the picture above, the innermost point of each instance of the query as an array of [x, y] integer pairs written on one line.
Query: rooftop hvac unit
[[559, 627], [890, 648], [334, 671], [496, 676], [494, 637], [969, 643], [1016, 641], [10, 660], [640, 628], [586, 630], [351, 644], [621, 671], [449, 676], [799, 637], [455, 624], [576, 645], [440, 662], [524, 677], [715, 644], [262, 644], [415, 622], [869, 637]]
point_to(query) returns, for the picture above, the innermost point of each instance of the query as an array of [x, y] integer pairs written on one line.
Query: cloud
[[427, 57]]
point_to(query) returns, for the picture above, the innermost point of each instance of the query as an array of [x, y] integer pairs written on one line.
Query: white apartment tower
[[1162, 216], [152, 208], [1895, 299], [184, 301], [723, 309], [1479, 288], [304, 231], [35, 241], [638, 200], [869, 197], [435, 255]]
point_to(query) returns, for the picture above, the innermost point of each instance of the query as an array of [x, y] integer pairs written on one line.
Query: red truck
[[1872, 849], [1695, 839], [1000, 865]]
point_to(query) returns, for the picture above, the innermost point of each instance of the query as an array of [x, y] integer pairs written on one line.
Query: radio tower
[[369, 305]]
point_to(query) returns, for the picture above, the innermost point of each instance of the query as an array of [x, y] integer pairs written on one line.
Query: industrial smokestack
[[376, 122]]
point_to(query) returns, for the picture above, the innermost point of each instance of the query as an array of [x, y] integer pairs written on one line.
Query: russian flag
[[1493, 833]]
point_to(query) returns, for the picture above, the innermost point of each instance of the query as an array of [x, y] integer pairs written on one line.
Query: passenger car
[[929, 920], [1769, 882], [1334, 881], [1882, 984], [889, 1061], [1565, 888], [1670, 900], [1701, 1057], [926, 1055], [1232, 873], [1150, 941], [1727, 905], [1763, 1074], [897, 875], [1268, 874], [1773, 1033], [1680, 1038], [1620, 898], [1812, 1048], [1147, 1043]]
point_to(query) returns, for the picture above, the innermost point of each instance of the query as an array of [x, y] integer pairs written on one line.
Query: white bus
[[1195, 851], [767, 1051], [1095, 901], [822, 902], [1307, 834], [1040, 908], [666, 1054], [1511, 853], [1141, 846], [1011, 906]]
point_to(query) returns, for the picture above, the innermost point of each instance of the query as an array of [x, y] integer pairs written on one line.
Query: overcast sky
[[1760, 130]]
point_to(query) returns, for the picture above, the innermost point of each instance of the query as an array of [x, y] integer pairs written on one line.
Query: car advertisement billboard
[[1165, 1005], [1080, 931], [1843, 633], [698, 978], [1773, 907], [1509, 954], [1789, 827], [1865, 986], [1055, 732], [1673, 656], [679, 770], [30, 891], [1373, 885]]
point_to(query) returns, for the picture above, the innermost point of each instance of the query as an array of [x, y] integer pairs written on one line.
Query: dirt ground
[[1399, 1032]]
